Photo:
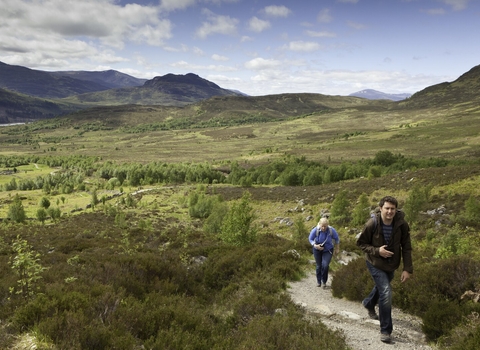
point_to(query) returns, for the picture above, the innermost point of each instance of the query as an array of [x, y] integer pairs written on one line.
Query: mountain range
[[28, 95]]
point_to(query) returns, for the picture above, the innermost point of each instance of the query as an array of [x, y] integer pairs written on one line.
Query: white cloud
[[324, 16], [258, 25], [189, 67], [182, 48], [457, 5], [84, 20], [322, 34], [171, 5], [356, 25], [303, 46], [217, 24], [435, 12], [216, 57], [277, 11], [262, 63], [198, 51]]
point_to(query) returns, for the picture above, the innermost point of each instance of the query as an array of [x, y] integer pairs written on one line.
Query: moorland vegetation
[[186, 236]]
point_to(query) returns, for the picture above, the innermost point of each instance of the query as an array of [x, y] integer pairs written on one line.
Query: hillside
[[19, 108], [53, 85], [201, 100], [110, 79], [167, 90], [464, 90]]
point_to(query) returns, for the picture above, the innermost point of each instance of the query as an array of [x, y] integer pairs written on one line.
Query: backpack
[[374, 217]]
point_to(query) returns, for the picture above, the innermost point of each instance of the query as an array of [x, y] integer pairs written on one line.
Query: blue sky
[[332, 47]]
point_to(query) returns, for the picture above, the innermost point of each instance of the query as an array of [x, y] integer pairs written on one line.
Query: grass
[[450, 133]]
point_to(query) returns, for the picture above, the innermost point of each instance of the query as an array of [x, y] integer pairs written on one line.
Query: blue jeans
[[322, 259], [381, 294]]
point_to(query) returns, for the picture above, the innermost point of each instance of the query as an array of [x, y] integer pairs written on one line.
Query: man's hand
[[384, 253], [405, 276]]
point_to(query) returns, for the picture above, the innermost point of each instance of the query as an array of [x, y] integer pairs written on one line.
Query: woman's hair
[[323, 221]]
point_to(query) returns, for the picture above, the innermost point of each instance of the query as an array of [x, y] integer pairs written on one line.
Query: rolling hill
[[190, 96], [167, 90], [52, 85]]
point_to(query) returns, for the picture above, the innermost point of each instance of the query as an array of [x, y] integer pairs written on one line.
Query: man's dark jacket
[[371, 239]]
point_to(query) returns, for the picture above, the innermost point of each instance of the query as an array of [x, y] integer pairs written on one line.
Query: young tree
[[94, 201], [237, 226], [44, 202], [417, 198], [213, 224], [42, 215], [340, 211], [16, 211], [27, 266], [361, 212]]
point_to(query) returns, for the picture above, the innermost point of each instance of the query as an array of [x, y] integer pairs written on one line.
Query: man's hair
[[388, 199]]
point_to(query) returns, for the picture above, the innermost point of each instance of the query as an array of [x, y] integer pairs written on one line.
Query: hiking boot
[[386, 338], [372, 314], [319, 285], [324, 286]]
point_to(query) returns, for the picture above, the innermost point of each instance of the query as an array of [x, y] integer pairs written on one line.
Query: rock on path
[[351, 318]]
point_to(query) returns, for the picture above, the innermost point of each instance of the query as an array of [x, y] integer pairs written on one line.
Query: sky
[[258, 47]]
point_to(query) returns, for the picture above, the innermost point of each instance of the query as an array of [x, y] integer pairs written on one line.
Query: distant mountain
[[110, 79], [168, 90], [60, 84], [378, 95]]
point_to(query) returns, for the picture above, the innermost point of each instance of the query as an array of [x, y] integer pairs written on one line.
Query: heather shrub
[[285, 331], [352, 281], [29, 314], [444, 279], [466, 336], [440, 318]]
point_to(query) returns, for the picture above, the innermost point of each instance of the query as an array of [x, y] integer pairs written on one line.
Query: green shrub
[[361, 212], [440, 318], [417, 198], [237, 227], [16, 211], [213, 224], [201, 205], [466, 336], [29, 314], [471, 215], [286, 332], [44, 203], [340, 211], [352, 281]]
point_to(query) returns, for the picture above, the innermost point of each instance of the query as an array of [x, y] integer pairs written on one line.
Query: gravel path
[[361, 332]]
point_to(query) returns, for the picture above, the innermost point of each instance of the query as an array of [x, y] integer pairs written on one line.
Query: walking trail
[[351, 318]]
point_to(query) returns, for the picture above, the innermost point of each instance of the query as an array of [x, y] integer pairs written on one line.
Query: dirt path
[[361, 332]]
